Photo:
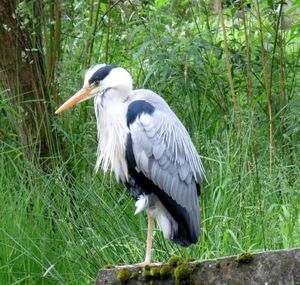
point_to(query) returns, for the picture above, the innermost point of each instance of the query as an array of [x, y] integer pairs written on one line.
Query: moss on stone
[[151, 272], [109, 266], [182, 272], [176, 260], [146, 274], [244, 257], [155, 272], [165, 271], [134, 275], [147, 267], [197, 264], [123, 275]]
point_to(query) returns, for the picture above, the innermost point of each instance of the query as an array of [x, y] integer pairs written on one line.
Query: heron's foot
[[120, 266], [146, 263], [143, 264], [138, 265]]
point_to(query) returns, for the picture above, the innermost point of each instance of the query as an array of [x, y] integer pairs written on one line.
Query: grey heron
[[147, 147]]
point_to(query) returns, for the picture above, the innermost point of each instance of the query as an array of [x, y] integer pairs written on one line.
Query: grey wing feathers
[[165, 154], [166, 139]]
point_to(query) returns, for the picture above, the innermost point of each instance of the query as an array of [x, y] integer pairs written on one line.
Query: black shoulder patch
[[137, 108], [129, 152], [101, 73]]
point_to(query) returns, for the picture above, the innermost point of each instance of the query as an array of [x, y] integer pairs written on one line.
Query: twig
[[228, 65], [275, 41], [92, 39], [267, 84], [108, 32], [249, 80], [91, 12]]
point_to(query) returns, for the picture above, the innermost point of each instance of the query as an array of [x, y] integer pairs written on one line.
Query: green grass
[[61, 227]]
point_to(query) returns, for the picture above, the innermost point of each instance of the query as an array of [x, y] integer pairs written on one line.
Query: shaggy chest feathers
[[111, 120]]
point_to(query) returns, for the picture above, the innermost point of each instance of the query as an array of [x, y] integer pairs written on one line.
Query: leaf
[[142, 48], [159, 4], [103, 7], [234, 237], [293, 9], [270, 3], [149, 74]]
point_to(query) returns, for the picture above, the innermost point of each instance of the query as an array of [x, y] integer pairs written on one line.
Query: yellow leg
[[149, 239], [148, 258]]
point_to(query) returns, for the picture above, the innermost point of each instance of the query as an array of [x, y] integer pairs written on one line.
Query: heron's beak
[[80, 96]]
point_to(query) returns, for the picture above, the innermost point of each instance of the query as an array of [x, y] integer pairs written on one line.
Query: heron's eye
[[96, 83]]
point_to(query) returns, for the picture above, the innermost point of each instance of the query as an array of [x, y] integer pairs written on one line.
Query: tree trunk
[[23, 76]]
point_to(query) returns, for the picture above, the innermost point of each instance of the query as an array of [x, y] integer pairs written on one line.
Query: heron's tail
[[177, 223], [186, 228]]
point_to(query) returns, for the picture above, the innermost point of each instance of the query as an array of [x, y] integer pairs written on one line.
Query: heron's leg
[[149, 238], [148, 246]]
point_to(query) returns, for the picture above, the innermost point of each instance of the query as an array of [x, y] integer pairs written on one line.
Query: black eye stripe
[[101, 73]]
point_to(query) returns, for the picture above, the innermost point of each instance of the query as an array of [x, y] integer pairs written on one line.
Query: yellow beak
[[80, 96]]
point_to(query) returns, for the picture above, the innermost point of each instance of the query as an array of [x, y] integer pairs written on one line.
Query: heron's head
[[99, 79]]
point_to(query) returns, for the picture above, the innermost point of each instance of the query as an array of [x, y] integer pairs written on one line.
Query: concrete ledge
[[280, 267]]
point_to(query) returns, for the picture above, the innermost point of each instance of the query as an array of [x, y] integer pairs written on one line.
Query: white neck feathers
[[112, 135]]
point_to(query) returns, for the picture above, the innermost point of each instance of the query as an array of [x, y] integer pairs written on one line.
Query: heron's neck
[[112, 136]]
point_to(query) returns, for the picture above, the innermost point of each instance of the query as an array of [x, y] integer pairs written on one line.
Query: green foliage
[[60, 226]]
